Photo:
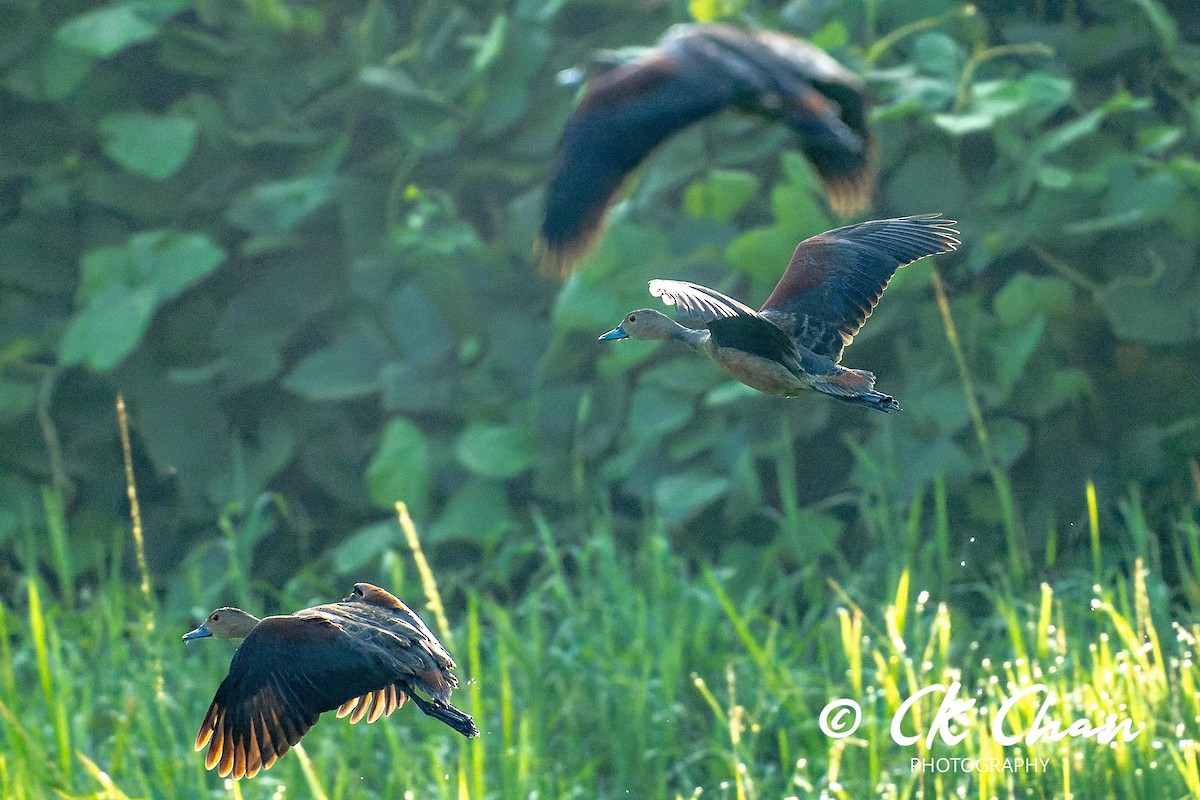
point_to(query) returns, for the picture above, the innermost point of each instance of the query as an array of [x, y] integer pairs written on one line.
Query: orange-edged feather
[[697, 71]]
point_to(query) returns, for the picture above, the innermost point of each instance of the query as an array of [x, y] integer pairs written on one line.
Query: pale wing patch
[[698, 302]]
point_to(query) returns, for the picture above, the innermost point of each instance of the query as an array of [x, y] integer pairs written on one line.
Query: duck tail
[[857, 386], [439, 710]]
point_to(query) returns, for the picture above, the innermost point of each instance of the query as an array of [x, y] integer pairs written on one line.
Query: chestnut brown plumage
[[363, 656], [794, 343], [695, 72]]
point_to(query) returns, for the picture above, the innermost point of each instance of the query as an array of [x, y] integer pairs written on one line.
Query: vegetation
[[628, 673], [295, 236]]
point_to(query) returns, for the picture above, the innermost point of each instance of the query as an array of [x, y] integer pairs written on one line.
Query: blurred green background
[[296, 236]]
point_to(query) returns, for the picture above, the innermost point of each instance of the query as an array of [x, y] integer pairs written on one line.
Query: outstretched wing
[[285, 673], [626, 113], [697, 71], [789, 79], [835, 279], [697, 302], [289, 670]]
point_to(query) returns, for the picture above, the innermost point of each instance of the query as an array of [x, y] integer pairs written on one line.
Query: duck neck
[[697, 339]]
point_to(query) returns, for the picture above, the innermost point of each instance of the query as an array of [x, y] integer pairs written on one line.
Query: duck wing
[[788, 79], [291, 669], [697, 71], [835, 279], [626, 113], [698, 303]]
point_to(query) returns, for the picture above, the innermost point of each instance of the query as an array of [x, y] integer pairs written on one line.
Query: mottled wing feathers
[[697, 71], [835, 279], [696, 302]]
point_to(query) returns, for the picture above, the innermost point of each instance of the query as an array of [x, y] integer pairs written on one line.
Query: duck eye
[[216, 617], [632, 318]]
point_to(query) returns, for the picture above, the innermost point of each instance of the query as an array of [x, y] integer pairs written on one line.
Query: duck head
[[645, 323], [224, 623]]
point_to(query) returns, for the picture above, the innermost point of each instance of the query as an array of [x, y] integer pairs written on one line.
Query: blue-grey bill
[[200, 633], [616, 333]]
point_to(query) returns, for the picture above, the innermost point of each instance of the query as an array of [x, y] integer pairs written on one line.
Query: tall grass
[[637, 674]]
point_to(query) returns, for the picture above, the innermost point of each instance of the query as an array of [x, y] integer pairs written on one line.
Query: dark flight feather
[[835, 279], [695, 72]]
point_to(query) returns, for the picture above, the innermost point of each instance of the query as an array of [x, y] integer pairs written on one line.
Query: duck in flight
[[697, 71], [363, 656], [794, 343]]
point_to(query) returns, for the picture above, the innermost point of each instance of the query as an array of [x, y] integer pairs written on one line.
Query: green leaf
[[108, 328], [49, 73], [491, 43], [681, 497], [720, 195], [1050, 389], [348, 368], [171, 261], [495, 451], [1153, 314], [762, 253], [17, 397], [912, 188], [276, 208], [815, 533], [938, 54], [148, 144], [832, 35], [365, 545], [106, 30], [477, 512], [1025, 297], [1057, 138], [122, 286], [105, 267], [1012, 348], [712, 10], [1010, 439], [656, 411], [1161, 20], [1047, 94], [401, 468], [990, 101], [590, 307]]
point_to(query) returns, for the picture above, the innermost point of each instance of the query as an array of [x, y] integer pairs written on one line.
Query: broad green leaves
[[383, 334], [495, 451], [122, 286], [721, 195], [107, 30], [148, 144], [346, 369], [401, 469]]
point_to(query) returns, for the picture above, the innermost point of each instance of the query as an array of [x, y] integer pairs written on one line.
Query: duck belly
[[764, 374]]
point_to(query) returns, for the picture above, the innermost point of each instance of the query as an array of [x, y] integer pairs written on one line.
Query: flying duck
[[794, 343], [696, 71], [363, 656]]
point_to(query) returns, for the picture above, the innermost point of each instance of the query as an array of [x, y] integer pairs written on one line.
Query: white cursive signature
[[955, 711]]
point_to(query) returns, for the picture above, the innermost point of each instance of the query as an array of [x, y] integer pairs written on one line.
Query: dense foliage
[[296, 237]]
